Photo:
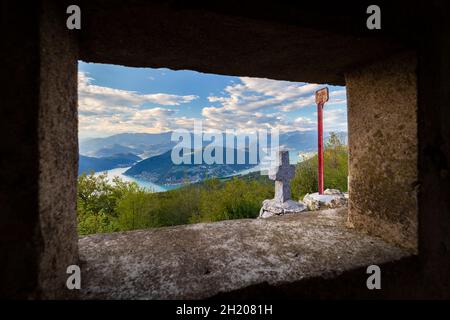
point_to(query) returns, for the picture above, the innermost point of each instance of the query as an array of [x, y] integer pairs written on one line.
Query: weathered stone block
[[382, 127]]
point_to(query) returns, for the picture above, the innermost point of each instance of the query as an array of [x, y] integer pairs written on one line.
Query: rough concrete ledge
[[202, 260]]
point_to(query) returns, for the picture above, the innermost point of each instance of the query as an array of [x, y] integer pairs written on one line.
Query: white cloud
[[104, 110], [248, 105], [261, 94], [335, 120], [263, 103], [93, 97]]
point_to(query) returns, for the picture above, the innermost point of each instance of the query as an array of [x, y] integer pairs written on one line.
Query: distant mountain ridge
[[142, 144], [150, 144], [161, 169], [88, 164], [128, 149]]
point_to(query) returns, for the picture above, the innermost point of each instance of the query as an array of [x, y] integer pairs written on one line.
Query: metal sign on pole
[[321, 98]]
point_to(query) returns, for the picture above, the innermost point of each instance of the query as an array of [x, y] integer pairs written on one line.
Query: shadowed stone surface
[[382, 134], [38, 236], [203, 260], [303, 43], [58, 152]]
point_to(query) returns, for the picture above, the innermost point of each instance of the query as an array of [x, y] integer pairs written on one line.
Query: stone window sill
[[208, 259]]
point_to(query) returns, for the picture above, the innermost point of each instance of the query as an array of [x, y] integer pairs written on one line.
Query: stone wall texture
[[58, 150], [382, 126], [39, 154]]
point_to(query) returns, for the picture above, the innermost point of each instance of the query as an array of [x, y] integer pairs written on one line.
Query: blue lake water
[[118, 172], [150, 186]]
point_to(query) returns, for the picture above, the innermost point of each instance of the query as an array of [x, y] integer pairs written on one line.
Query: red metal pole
[[320, 145]]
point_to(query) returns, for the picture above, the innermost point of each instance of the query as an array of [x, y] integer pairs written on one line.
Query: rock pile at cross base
[[330, 199]]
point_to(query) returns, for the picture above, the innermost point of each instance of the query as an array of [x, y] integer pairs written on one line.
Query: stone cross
[[282, 174]]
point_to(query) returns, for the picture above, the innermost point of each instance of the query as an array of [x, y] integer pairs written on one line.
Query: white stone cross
[[282, 175]]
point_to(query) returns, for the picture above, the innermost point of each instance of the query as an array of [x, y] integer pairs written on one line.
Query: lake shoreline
[[149, 186]]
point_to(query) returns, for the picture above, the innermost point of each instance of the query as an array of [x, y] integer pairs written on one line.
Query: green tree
[[335, 170], [97, 201], [305, 179], [234, 199], [107, 206]]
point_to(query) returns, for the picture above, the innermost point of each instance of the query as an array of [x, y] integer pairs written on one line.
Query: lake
[[150, 186]]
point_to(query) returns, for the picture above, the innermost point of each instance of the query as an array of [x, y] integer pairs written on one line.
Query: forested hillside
[[121, 206]]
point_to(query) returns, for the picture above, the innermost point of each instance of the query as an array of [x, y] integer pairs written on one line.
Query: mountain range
[[143, 145], [149, 155], [146, 145], [161, 169], [88, 164]]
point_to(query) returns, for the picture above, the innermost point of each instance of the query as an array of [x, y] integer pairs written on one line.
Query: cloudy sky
[[115, 99]]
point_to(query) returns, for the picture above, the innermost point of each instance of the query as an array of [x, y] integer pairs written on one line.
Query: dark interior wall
[[20, 237], [434, 148], [224, 39]]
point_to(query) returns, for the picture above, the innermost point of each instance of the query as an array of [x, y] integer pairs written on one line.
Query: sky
[[115, 99]]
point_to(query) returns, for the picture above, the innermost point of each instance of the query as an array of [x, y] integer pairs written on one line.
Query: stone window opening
[[397, 124], [108, 111], [216, 258]]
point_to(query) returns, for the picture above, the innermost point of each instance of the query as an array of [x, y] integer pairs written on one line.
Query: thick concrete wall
[[38, 126], [58, 149], [382, 125], [231, 39], [19, 234]]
